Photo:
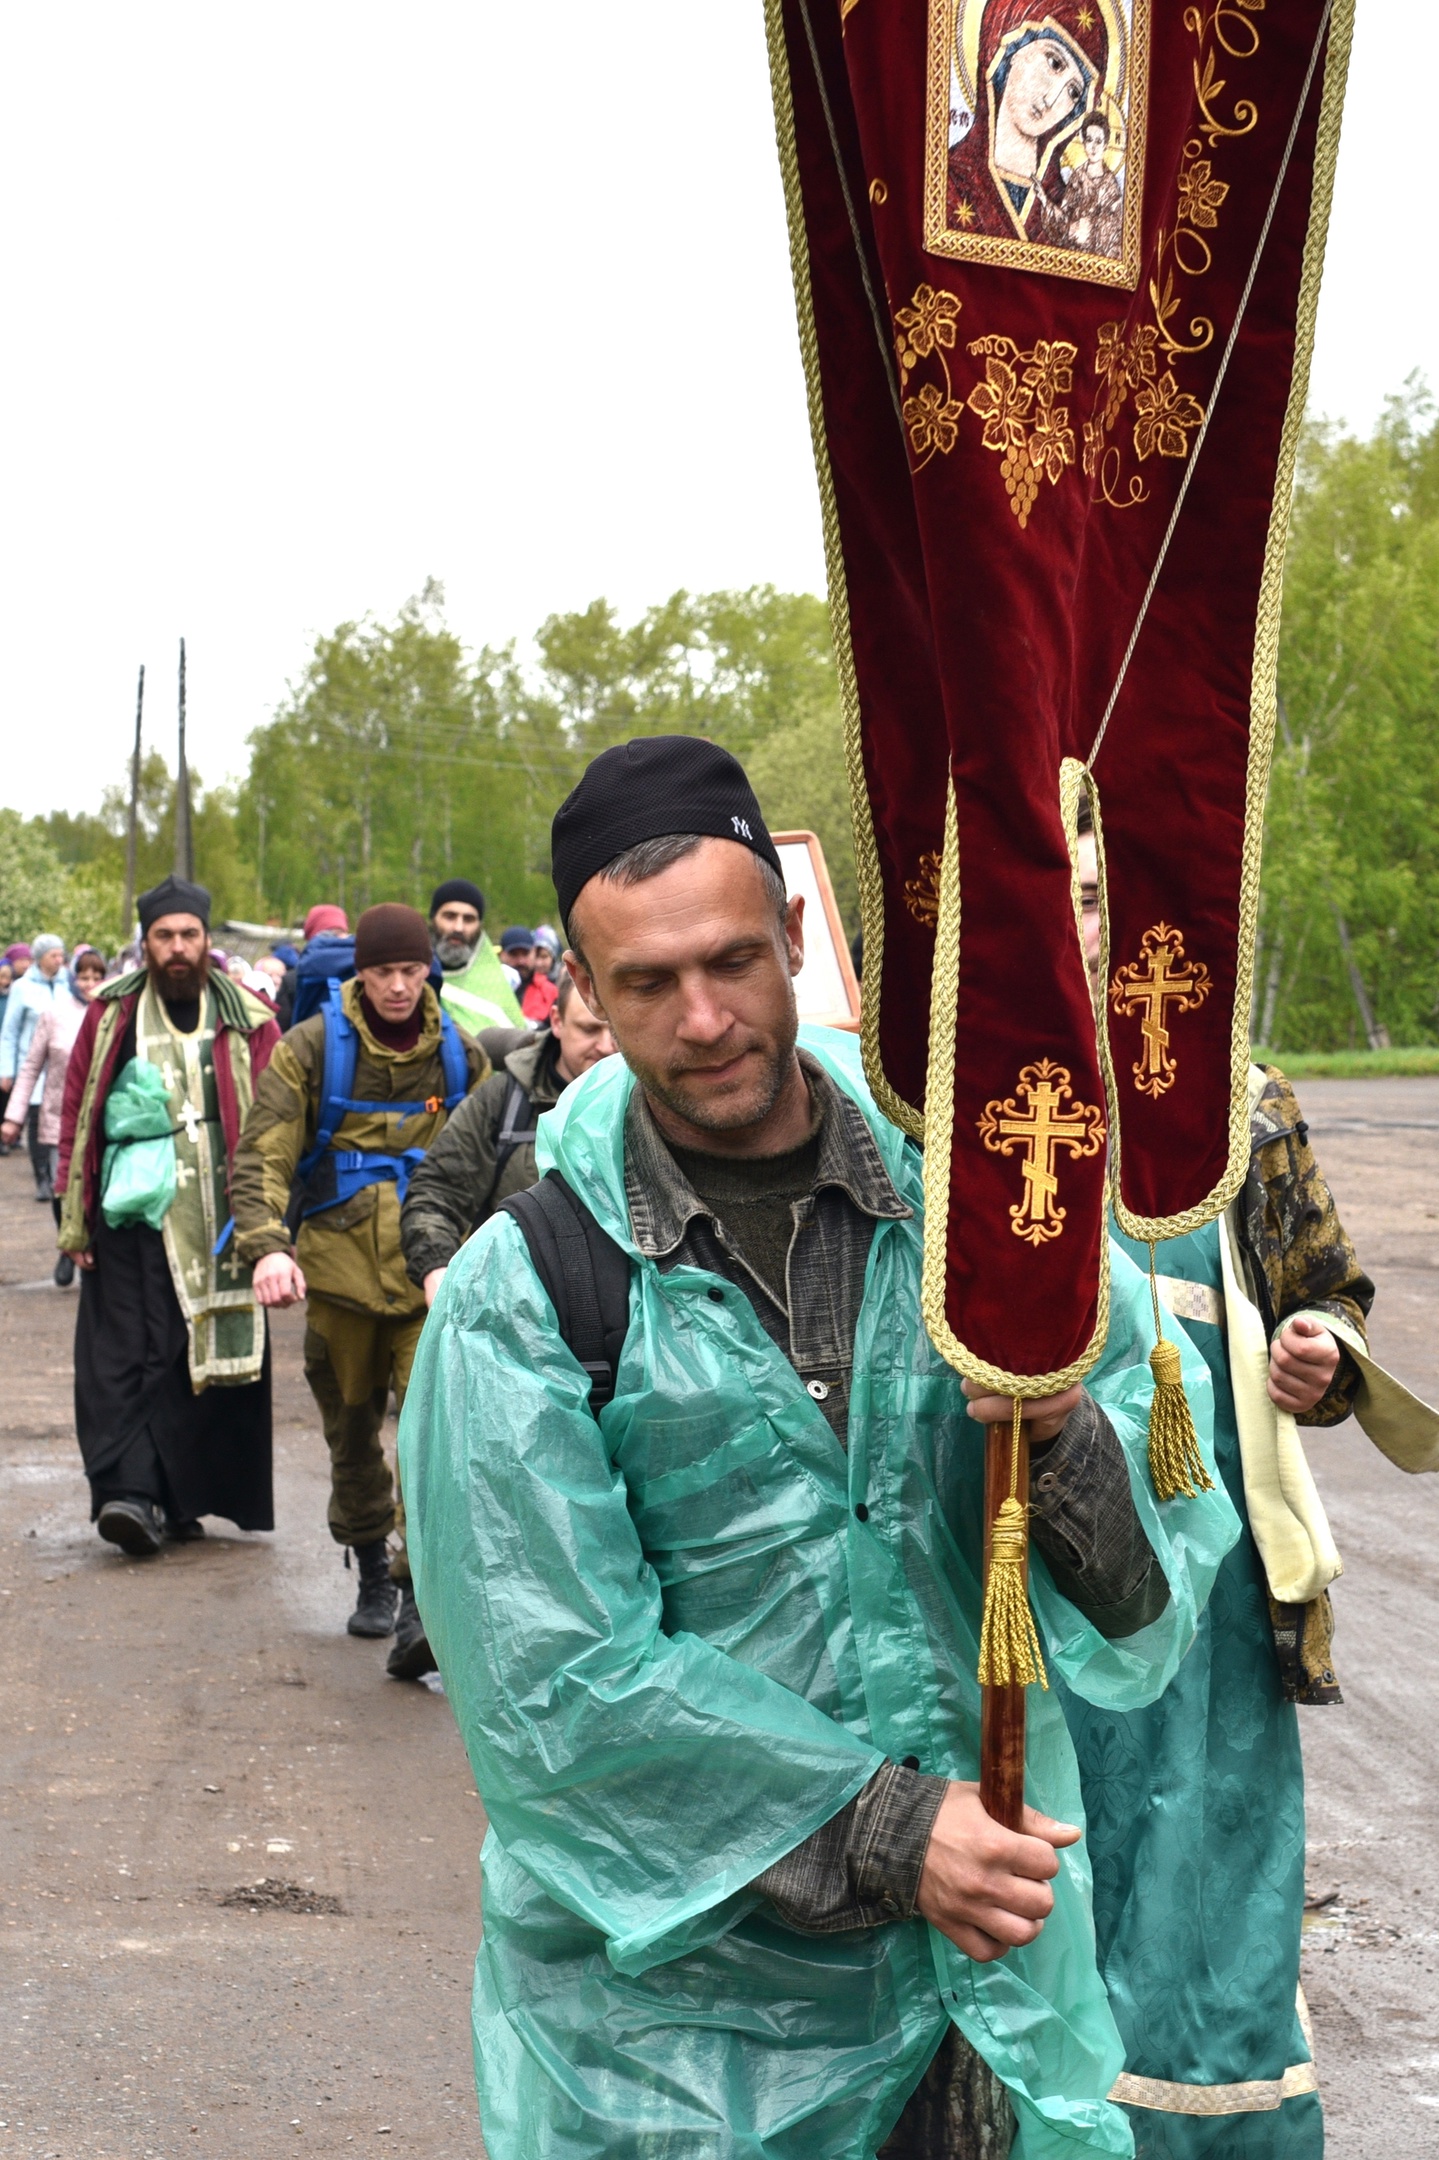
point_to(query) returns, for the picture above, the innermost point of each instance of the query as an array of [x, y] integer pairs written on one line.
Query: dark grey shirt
[[862, 1868]]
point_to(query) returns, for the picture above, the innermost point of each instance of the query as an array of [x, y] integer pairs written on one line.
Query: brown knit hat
[[390, 933]]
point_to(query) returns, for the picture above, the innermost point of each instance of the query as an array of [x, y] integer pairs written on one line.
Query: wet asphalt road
[[175, 1730], [1372, 1954], [171, 1730]]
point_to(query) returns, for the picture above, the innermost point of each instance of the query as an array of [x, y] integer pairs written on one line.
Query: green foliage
[[95, 844], [400, 759], [800, 778], [398, 762], [39, 891], [1351, 842], [1408, 1064], [79, 860]]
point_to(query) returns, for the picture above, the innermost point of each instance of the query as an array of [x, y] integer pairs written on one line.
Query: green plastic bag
[[138, 1178]]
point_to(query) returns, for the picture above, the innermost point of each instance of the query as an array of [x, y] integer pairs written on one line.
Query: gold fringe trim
[[866, 852], [1176, 1466], [1009, 1652]]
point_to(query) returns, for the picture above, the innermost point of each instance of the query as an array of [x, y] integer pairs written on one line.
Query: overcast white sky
[[307, 302]]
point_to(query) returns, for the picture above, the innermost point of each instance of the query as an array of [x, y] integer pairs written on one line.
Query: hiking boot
[[412, 1656], [374, 1612], [136, 1526], [64, 1271]]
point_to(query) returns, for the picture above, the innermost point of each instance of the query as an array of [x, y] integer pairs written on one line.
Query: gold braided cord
[[1264, 682], [866, 852], [939, 1103]]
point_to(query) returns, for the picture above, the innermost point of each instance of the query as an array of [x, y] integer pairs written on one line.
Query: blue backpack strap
[[455, 1062], [355, 1168], [337, 1078]]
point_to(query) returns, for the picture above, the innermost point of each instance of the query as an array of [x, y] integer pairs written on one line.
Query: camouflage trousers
[[958, 2111], [352, 1360]]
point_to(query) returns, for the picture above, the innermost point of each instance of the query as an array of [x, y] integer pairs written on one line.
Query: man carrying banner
[[1057, 273], [713, 1650], [172, 1359]]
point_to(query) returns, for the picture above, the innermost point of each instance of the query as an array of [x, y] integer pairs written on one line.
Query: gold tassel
[[1175, 1464], [1009, 1653]]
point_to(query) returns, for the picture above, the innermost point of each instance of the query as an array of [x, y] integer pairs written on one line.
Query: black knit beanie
[[644, 789], [458, 889]]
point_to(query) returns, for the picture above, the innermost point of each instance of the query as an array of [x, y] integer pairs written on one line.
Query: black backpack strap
[[585, 1273], [518, 1118]]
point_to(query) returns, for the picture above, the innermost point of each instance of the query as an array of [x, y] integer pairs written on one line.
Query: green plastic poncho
[[482, 996], [137, 1176], [674, 1651]]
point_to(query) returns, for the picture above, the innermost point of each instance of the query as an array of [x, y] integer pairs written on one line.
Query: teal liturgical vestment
[[1195, 1808]]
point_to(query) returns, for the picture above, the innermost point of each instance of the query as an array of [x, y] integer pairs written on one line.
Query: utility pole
[[127, 912], [184, 841]]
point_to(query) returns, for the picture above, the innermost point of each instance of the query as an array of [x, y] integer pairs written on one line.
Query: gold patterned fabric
[[226, 1327]]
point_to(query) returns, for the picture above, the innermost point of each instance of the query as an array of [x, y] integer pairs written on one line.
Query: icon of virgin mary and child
[[1037, 124]]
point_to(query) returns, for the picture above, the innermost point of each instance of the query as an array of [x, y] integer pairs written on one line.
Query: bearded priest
[[172, 1361]]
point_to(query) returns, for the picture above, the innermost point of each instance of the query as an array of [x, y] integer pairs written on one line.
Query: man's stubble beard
[[722, 1114]]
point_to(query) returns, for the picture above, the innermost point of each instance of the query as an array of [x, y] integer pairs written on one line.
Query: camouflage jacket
[[1298, 1258], [471, 1167]]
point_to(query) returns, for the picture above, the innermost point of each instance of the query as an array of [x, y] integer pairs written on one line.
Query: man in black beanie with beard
[[476, 990], [172, 1384]]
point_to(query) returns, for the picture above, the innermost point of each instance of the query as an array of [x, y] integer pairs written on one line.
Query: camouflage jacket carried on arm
[[1300, 1258]]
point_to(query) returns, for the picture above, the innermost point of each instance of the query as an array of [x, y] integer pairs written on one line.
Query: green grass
[[1352, 1064]]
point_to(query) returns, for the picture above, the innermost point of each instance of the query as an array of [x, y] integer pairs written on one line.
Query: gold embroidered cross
[[1042, 1129], [196, 1271], [1149, 986]]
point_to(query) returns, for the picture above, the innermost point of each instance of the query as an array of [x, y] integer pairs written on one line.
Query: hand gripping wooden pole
[[1001, 1731]]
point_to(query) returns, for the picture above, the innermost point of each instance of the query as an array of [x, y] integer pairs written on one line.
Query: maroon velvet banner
[[1057, 263]]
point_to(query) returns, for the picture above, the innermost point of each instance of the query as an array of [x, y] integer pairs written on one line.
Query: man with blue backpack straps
[[351, 1100]]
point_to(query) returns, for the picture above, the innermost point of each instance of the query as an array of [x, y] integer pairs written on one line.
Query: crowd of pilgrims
[[328, 1122]]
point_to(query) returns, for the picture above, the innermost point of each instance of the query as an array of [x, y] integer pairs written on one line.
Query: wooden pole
[[127, 912], [1001, 1726], [184, 844]]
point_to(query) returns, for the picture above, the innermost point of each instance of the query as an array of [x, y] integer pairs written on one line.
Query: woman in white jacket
[[42, 1075]]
